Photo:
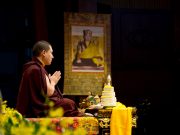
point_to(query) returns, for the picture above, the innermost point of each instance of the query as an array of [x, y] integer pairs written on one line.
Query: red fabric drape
[[40, 20]]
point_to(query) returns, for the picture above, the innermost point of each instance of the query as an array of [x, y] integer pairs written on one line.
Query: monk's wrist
[[53, 84]]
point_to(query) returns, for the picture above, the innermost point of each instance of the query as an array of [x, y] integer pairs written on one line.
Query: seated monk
[[89, 51], [37, 86]]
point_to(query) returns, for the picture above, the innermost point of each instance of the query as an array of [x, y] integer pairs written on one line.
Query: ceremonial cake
[[108, 97]]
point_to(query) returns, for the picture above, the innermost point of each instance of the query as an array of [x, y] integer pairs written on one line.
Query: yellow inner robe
[[94, 52]]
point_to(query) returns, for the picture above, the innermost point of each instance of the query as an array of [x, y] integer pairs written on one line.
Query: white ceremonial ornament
[[108, 97]]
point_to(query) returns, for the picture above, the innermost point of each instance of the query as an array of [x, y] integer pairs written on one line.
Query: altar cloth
[[121, 120]]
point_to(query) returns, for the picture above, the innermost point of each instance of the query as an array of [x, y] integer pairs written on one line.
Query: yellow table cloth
[[121, 120]]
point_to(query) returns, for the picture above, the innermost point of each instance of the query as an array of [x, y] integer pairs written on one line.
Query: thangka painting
[[87, 52]]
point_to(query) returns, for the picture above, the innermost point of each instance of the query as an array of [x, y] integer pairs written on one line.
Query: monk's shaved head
[[40, 46]]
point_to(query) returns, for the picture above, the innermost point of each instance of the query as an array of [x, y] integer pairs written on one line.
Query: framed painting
[[87, 52]]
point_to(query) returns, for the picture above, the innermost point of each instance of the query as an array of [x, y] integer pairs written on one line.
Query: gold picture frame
[[87, 52]]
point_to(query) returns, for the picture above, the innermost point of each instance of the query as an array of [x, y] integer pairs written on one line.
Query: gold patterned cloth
[[121, 120], [90, 124]]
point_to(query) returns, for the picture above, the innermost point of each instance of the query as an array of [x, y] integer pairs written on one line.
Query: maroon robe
[[32, 96]]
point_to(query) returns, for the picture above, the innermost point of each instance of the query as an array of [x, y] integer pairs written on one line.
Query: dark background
[[145, 51]]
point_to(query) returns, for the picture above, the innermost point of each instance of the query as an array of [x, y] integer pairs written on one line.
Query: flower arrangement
[[12, 123]]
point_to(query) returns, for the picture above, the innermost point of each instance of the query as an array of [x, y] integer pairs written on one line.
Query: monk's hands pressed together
[[55, 77], [51, 81]]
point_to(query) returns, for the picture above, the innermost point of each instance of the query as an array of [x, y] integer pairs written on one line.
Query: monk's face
[[48, 56], [88, 36]]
